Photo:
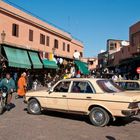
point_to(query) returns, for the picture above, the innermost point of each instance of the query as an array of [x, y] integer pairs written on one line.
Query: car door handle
[[64, 96], [88, 97]]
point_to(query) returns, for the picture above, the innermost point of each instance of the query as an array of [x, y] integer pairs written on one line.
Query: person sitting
[[76, 89], [88, 90]]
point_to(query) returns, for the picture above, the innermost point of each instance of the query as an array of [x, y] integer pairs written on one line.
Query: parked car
[[101, 99], [129, 84]]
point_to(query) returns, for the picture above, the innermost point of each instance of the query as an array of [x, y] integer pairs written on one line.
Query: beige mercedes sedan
[[100, 99]]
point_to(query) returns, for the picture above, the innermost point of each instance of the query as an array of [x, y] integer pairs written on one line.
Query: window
[[47, 41], [128, 49], [129, 85], [109, 86], [64, 46], [15, 30], [62, 87], [112, 46], [68, 48], [56, 43], [81, 87], [91, 62], [30, 35], [42, 39], [81, 54], [115, 45]]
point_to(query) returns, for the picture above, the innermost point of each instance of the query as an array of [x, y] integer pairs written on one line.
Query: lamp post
[[3, 35], [53, 50]]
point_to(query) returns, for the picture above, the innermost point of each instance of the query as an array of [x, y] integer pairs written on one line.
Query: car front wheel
[[99, 117], [34, 107]]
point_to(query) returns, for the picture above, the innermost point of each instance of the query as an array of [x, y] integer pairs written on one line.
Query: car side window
[[129, 85], [81, 87], [132, 85], [62, 87]]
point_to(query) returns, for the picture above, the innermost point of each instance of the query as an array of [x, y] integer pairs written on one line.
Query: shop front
[[17, 60]]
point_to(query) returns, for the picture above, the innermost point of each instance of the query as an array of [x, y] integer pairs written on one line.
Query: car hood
[[37, 93]]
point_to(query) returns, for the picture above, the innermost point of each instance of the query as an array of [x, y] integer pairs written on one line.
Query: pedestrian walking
[[22, 85], [35, 85]]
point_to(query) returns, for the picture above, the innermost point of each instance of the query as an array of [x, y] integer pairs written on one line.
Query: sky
[[91, 21]]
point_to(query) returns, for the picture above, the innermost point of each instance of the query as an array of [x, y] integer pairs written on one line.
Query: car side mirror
[[50, 91]]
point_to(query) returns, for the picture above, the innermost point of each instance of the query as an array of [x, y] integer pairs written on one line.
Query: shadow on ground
[[11, 107], [77, 117], [124, 121], [110, 138]]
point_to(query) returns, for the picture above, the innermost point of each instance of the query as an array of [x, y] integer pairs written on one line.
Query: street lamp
[[53, 50], [3, 35]]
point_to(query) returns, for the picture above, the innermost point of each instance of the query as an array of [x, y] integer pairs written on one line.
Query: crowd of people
[[29, 81]]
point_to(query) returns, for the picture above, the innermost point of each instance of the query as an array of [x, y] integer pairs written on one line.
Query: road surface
[[19, 125]]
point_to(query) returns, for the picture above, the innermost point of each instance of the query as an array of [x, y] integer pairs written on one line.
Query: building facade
[[117, 51], [134, 36], [92, 62], [102, 59], [23, 30], [123, 55]]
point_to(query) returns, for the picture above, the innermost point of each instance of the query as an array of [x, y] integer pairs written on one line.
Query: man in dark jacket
[[10, 84]]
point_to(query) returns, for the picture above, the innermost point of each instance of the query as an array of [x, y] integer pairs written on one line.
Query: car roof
[[83, 79], [128, 81]]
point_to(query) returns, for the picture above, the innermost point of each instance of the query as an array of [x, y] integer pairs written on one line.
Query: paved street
[[18, 125]]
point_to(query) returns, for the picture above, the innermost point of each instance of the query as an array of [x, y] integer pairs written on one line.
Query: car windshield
[[109, 86]]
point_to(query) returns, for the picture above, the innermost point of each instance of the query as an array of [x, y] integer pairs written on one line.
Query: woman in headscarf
[[22, 84]]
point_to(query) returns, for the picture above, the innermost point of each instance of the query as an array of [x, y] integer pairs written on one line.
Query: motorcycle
[[3, 98]]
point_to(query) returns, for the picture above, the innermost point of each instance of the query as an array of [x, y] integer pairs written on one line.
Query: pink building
[[118, 50], [134, 36], [92, 62], [26, 31]]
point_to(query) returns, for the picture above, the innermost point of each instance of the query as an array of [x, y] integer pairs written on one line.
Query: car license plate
[[4, 94]]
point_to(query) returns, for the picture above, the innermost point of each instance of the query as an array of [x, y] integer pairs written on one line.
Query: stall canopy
[[17, 57], [82, 66], [49, 64], [35, 60]]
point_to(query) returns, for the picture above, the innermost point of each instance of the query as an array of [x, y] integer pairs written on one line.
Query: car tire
[[99, 117], [34, 107]]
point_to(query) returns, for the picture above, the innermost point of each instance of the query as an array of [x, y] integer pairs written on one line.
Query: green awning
[[35, 60], [17, 57], [82, 66], [49, 64]]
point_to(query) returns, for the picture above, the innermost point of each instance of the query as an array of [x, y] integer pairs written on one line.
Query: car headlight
[[133, 105]]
